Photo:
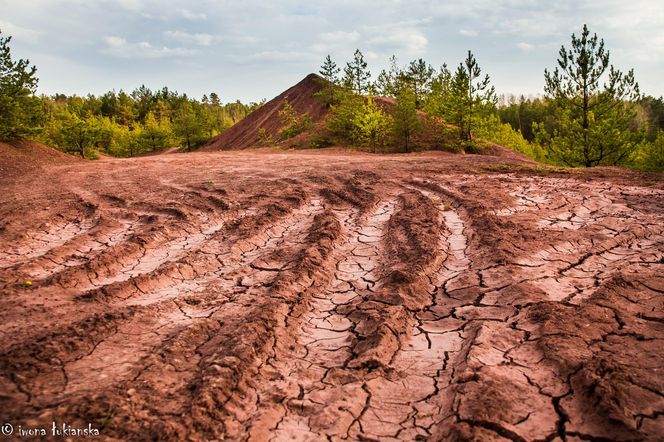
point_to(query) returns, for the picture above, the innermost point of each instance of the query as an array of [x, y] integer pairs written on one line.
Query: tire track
[[319, 296], [415, 392], [219, 380], [160, 316], [40, 243], [497, 348], [180, 305], [321, 406]]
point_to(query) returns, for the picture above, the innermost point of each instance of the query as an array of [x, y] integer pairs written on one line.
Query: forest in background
[[125, 124], [116, 123], [591, 114]]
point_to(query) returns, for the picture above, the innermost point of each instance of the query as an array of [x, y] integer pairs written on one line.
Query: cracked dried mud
[[330, 295]]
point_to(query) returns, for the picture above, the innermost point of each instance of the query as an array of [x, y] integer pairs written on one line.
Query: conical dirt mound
[[244, 134]]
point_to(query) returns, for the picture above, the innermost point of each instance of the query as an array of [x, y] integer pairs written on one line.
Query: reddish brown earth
[[28, 157], [331, 295], [245, 134]]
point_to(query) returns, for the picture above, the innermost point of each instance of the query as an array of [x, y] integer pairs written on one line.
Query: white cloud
[[335, 42], [119, 47], [410, 40], [525, 46], [129, 5], [282, 35], [339, 36], [189, 15], [282, 56], [18, 32], [187, 38], [638, 21]]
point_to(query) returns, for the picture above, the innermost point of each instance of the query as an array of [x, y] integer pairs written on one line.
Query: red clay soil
[[244, 134], [333, 295], [22, 157]]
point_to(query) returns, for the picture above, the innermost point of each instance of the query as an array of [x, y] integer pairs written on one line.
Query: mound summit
[[244, 134]]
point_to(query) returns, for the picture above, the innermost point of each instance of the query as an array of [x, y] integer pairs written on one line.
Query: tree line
[[535, 118], [592, 114], [126, 124], [115, 123]]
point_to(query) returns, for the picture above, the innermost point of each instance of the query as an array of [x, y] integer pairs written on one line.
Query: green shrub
[[293, 123], [318, 141]]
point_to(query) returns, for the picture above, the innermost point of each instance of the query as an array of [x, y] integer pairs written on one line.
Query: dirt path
[[333, 296]]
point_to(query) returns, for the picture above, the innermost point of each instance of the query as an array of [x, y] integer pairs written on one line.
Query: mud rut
[[356, 308]]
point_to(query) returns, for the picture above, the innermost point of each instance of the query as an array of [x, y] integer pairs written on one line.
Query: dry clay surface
[[333, 296]]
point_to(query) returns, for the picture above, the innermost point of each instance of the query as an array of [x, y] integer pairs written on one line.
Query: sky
[[250, 49]]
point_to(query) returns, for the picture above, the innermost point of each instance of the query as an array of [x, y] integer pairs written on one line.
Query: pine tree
[[77, 133], [218, 113], [418, 76], [19, 108], [214, 99], [186, 125], [437, 102], [406, 120], [143, 99], [292, 123], [469, 95], [329, 70], [356, 74], [593, 117], [389, 82]]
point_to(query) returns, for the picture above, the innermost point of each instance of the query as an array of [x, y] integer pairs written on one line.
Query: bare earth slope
[[333, 296], [244, 134], [22, 157]]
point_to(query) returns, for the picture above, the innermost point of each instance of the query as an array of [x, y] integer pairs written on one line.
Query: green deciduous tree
[[652, 157], [593, 104], [156, 133], [521, 113], [20, 110], [343, 113], [74, 133], [490, 128], [653, 109], [372, 125]]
